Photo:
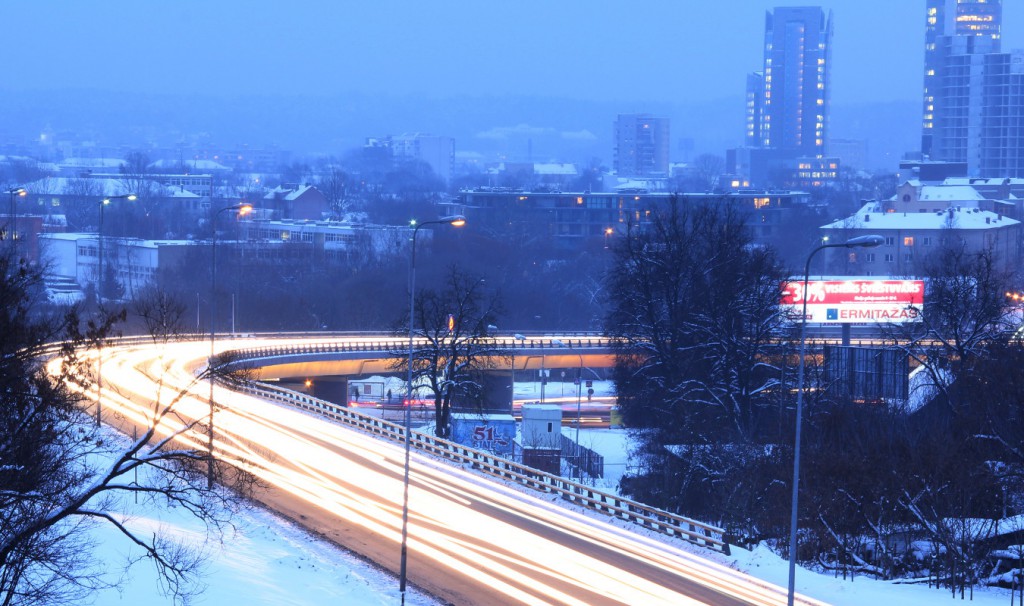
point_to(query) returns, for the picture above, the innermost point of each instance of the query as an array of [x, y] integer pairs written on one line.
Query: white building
[[75, 256], [912, 234]]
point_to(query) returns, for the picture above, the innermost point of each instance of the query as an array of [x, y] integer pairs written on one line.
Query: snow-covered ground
[[271, 561], [268, 560]]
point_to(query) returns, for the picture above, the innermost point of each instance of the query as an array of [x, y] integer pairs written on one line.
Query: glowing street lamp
[[454, 221], [241, 210], [99, 300], [858, 242]]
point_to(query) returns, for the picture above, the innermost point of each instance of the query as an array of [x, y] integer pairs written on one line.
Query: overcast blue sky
[[597, 49]]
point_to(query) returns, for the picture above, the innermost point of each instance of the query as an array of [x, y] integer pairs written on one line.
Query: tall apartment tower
[[973, 93], [792, 112], [958, 33], [641, 145]]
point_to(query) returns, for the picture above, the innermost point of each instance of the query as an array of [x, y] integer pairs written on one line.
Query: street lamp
[[242, 210], [521, 338], [454, 221], [579, 393], [12, 219], [103, 204], [858, 242], [99, 302]]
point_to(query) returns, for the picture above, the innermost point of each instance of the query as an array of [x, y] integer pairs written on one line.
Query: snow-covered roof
[[91, 162], [287, 193], [180, 192], [978, 181], [631, 184], [949, 193], [90, 187], [193, 164], [554, 168], [871, 216]]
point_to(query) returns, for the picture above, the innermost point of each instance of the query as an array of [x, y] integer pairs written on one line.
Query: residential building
[[292, 201], [435, 151], [788, 103], [571, 218], [973, 104], [641, 145], [796, 91], [919, 220], [438, 152], [135, 262], [331, 240]]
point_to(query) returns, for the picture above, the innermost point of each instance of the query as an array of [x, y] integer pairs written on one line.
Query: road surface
[[472, 541]]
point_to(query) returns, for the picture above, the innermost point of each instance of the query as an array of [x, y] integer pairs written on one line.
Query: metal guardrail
[[693, 531]]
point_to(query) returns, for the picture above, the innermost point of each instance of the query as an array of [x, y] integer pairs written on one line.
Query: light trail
[[471, 541]]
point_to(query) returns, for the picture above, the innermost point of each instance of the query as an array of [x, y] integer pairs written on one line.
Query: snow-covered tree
[[694, 306], [60, 473]]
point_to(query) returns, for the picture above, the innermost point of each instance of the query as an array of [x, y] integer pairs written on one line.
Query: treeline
[[706, 375]]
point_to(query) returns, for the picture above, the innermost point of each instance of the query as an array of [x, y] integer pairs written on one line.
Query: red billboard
[[848, 301]]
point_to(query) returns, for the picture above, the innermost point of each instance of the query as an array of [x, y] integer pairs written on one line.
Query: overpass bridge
[[320, 355]]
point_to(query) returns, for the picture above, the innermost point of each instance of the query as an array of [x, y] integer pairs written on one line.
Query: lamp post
[[99, 303], [242, 210], [12, 219], [103, 204], [454, 221], [521, 338], [858, 242], [579, 392]]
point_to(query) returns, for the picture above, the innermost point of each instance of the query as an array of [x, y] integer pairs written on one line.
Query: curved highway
[[472, 541]]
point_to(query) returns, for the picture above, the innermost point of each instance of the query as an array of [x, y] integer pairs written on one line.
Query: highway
[[472, 541]]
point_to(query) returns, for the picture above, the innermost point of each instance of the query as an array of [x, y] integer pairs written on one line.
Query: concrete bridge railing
[[698, 533]]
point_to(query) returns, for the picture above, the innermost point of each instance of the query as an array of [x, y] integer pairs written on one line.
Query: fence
[[586, 461]]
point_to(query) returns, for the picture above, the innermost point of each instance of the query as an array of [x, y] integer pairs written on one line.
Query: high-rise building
[[787, 119], [973, 92], [641, 145], [795, 95]]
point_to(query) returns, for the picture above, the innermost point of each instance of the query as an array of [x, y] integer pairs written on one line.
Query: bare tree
[[709, 169], [695, 312], [333, 183], [451, 326], [62, 474]]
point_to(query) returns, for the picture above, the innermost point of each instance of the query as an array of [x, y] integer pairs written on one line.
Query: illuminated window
[[908, 241]]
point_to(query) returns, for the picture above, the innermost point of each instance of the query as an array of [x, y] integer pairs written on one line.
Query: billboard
[[849, 301], [490, 432]]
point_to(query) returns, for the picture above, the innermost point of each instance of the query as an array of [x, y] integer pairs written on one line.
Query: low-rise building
[[302, 202], [572, 217], [911, 235], [134, 262], [331, 240]]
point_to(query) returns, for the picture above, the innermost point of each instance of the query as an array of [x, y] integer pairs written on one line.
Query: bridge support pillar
[[335, 391]]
